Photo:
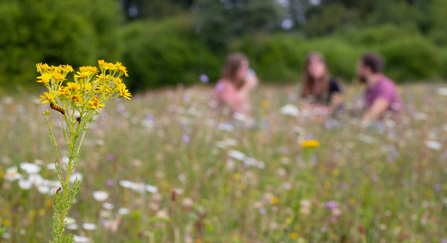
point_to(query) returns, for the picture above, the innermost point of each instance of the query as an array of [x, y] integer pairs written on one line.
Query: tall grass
[[380, 184]]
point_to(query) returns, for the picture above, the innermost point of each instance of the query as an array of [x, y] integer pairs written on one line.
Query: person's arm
[[378, 107], [336, 101], [250, 83]]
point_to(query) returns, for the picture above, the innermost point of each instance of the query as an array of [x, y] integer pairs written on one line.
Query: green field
[[382, 184]]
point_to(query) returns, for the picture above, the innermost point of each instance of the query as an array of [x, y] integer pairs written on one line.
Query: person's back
[[381, 93], [384, 89]]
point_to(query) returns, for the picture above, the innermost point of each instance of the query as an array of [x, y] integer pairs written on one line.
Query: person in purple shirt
[[381, 93]]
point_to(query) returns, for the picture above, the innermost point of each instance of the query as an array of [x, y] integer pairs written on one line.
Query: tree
[[221, 21]]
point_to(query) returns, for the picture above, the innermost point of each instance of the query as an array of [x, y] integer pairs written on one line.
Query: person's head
[[235, 69], [315, 75], [369, 65]]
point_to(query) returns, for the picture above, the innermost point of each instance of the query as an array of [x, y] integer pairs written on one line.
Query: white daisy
[[100, 195], [12, 174], [89, 226], [30, 168], [289, 110]]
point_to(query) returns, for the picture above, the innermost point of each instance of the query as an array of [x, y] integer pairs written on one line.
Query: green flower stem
[[55, 144]]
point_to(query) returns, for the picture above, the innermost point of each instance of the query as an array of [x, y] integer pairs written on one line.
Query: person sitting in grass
[[320, 92], [381, 94], [235, 84]]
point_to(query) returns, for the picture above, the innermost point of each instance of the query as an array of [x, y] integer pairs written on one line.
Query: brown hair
[[232, 64], [309, 87], [374, 61]]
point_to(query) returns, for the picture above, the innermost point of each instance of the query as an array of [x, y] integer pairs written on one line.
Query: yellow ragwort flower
[[58, 77], [94, 103], [88, 69], [274, 200], [73, 86], [111, 66], [124, 92], [293, 236], [101, 64], [41, 67], [103, 88], [68, 68], [82, 74], [47, 97], [44, 78], [76, 98], [310, 144], [86, 87], [122, 69], [63, 92]]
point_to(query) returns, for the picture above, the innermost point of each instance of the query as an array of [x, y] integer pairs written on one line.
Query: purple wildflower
[[204, 78], [186, 139]]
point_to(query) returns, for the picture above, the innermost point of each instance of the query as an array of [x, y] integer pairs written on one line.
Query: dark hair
[[309, 81], [374, 61], [232, 64]]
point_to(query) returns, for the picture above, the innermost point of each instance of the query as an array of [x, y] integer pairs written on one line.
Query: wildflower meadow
[[163, 167]]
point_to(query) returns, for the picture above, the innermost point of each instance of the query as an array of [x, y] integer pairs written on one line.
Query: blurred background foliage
[[165, 42]]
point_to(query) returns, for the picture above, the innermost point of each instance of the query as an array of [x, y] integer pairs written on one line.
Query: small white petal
[[100, 195], [89, 226], [123, 211]]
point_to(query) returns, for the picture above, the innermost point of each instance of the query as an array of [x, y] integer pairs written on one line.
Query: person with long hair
[[235, 84], [319, 89]]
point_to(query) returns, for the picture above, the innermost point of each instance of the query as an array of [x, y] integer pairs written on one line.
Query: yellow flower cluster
[[310, 144], [88, 91]]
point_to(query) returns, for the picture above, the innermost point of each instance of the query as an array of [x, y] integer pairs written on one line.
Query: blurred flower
[[420, 116], [75, 176], [100, 195], [220, 87], [151, 189], [30, 168], [287, 186], [291, 96], [89, 226], [437, 187], [25, 184], [289, 110], [442, 91], [274, 200], [204, 78], [123, 211], [225, 127], [236, 154], [331, 205], [107, 206], [186, 139], [72, 227], [433, 144], [109, 182], [293, 236], [262, 211], [12, 174], [310, 144], [162, 214], [81, 239], [187, 202], [110, 156], [265, 103]]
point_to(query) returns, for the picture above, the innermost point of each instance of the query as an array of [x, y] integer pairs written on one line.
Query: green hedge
[[411, 59], [163, 54], [78, 32]]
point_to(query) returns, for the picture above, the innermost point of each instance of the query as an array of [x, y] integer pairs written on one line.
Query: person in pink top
[[381, 93], [235, 84]]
